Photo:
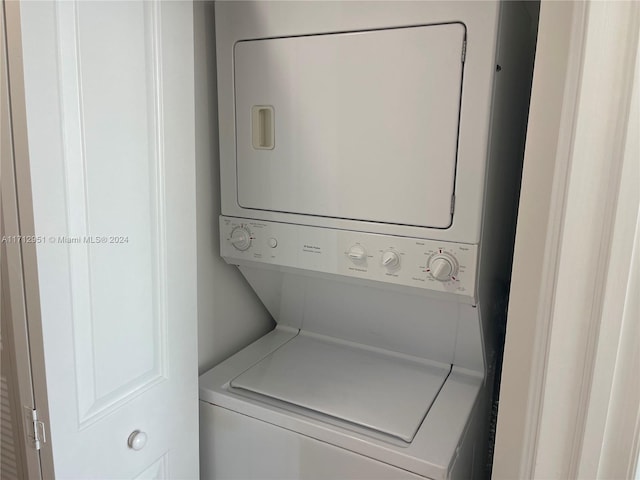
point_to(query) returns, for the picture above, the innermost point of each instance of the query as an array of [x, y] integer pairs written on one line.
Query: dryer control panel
[[413, 262]]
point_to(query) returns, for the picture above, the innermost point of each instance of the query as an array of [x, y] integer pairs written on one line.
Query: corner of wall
[[230, 316]]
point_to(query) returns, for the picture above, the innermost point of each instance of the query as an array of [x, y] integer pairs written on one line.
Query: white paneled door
[[109, 115]]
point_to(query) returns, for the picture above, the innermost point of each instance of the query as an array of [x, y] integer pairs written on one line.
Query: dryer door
[[360, 125]]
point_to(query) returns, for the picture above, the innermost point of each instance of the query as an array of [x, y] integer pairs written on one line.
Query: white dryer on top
[[357, 115]]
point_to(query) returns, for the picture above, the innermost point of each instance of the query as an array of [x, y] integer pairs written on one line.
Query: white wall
[[230, 316], [612, 429]]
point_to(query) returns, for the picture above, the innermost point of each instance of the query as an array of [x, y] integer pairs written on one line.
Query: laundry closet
[[368, 196], [332, 254]]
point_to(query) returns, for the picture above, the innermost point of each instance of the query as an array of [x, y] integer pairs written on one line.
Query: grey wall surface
[[230, 316]]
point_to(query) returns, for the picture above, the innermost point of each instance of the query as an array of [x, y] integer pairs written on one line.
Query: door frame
[[570, 301], [22, 272], [550, 389]]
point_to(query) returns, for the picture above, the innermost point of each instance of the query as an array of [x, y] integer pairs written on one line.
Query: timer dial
[[390, 259], [240, 238], [443, 266], [357, 254]]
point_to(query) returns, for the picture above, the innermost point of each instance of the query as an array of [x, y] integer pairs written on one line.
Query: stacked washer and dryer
[[370, 158]]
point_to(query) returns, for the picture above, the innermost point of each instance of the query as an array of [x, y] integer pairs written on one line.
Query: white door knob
[[137, 440]]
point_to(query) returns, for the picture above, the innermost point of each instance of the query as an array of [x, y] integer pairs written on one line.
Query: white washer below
[[300, 405]]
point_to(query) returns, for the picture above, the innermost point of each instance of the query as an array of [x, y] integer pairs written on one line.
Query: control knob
[[357, 254], [390, 259], [443, 266], [240, 238]]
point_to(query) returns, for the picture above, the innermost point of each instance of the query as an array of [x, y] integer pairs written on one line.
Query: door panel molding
[[98, 396], [157, 470]]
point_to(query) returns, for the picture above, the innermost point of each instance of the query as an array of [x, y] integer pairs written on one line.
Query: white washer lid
[[373, 388]]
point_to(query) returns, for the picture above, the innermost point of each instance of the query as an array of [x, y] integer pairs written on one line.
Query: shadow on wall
[[230, 316]]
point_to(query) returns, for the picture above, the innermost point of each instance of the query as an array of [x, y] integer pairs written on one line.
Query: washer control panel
[[429, 264]]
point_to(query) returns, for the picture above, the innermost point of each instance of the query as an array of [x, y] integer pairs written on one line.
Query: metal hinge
[[464, 50], [453, 203], [35, 428]]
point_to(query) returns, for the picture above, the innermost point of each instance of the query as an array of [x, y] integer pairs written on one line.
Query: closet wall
[[230, 316]]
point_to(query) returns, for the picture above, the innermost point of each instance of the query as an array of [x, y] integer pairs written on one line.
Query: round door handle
[[137, 440]]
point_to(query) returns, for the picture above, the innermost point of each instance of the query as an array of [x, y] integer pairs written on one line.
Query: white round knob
[[273, 243], [441, 269], [390, 259], [240, 238], [443, 266], [137, 440], [357, 254]]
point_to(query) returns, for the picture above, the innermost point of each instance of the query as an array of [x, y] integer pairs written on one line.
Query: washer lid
[[376, 389]]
